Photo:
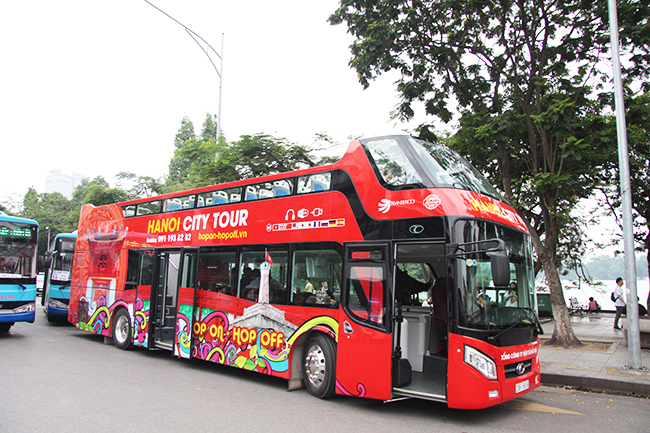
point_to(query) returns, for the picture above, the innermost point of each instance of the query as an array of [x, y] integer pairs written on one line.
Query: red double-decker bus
[[395, 272]]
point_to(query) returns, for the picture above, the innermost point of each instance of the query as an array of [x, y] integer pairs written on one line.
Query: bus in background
[[58, 270], [396, 272], [18, 245]]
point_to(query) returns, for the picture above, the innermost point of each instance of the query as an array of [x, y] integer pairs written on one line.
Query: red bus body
[[153, 269]]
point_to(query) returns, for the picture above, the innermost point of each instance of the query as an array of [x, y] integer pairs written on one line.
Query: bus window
[[128, 210], [149, 207], [251, 193], [216, 272], [250, 275], [172, 204], [133, 270], [282, 187], [314, 183], [146, 270], [366, 293], [316, 277], [277, 188], [224, 196]]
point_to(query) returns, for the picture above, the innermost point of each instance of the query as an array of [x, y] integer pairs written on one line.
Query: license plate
[[521, 386]]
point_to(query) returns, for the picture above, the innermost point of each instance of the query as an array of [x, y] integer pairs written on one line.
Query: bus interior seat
[[235, 198], [265, 194], [250, 195], [172, 205], [318, 184], [280, 191], [219, 197]]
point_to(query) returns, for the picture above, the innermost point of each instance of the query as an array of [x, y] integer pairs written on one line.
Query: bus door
[[363, 365], [165, 298], [185, 308]]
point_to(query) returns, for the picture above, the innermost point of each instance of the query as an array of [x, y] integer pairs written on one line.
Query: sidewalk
[[600, 365]]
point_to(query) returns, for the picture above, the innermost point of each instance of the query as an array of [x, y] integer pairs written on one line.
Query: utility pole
[[633, 336], [207, 49]]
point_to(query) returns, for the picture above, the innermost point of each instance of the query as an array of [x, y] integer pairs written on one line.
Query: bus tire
[[5, 327], [122, 330], [319, 370]]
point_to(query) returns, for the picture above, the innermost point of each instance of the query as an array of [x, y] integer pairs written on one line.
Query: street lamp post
[[206, 50]]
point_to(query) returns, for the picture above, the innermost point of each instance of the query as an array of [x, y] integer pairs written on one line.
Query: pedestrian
[[619, 302], [593, 305]]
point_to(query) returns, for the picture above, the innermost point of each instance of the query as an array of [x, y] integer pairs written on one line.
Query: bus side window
[[132, 270], [316, 277], [366, 293], [251, 193], [128, 210], [314, 183]]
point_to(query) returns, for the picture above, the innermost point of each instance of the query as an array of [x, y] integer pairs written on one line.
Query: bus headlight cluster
[[56, 304], [481, 362], [27, 308]]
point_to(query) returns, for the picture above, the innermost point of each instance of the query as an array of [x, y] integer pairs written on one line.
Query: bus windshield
[[482, 304], [408, 161], [62, 263], [17, 250]]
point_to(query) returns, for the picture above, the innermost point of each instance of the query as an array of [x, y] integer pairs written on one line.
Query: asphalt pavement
[[601, 364]]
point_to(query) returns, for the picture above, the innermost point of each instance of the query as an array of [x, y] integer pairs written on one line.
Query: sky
[[101, 87]]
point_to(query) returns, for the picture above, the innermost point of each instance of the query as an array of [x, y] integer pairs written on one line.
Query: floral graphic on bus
[[140, 323], [98, 312]]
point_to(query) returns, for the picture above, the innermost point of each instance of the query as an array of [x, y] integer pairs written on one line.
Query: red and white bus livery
[[395, 272]]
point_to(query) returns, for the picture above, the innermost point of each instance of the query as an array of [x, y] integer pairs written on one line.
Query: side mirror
[[47, 259], [500, 265]]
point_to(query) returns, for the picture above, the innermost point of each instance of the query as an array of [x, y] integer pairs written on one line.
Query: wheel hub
[[315, 365]]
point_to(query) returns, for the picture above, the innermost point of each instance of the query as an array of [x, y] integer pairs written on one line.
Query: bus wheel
[[5, 327], [122, 330], [320, 366]]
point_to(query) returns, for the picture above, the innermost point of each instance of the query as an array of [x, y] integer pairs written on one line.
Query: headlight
[[481, 362], [27, 308], [56, 304]]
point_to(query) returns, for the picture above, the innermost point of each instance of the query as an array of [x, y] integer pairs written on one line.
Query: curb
[[597, 384]]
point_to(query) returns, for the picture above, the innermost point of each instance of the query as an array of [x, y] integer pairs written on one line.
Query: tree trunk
[[563, 334]]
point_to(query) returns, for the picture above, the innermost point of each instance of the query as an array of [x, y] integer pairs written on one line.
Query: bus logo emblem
[[416, 229], [521, 368], [431, 201], [384, 205]]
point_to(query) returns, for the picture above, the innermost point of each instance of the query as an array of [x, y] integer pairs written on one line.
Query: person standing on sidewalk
[[620, 302]]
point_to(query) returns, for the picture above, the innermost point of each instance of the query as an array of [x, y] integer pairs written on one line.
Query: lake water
[[601, 293]]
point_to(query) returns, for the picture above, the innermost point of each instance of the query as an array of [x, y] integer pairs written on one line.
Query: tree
[[524, 75], [208, 161], [140, 186], [178, 166], [98, 192], [52, 211]]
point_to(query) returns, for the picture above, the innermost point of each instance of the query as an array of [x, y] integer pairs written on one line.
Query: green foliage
[[98, 192], [526, 77], [638, 134], [209, 161], [51, 210], [178, 166]]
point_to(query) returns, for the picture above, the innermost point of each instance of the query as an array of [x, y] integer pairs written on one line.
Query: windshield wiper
[[517, 324]]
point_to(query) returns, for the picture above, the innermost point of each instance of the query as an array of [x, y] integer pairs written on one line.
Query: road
[[58, 378]]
